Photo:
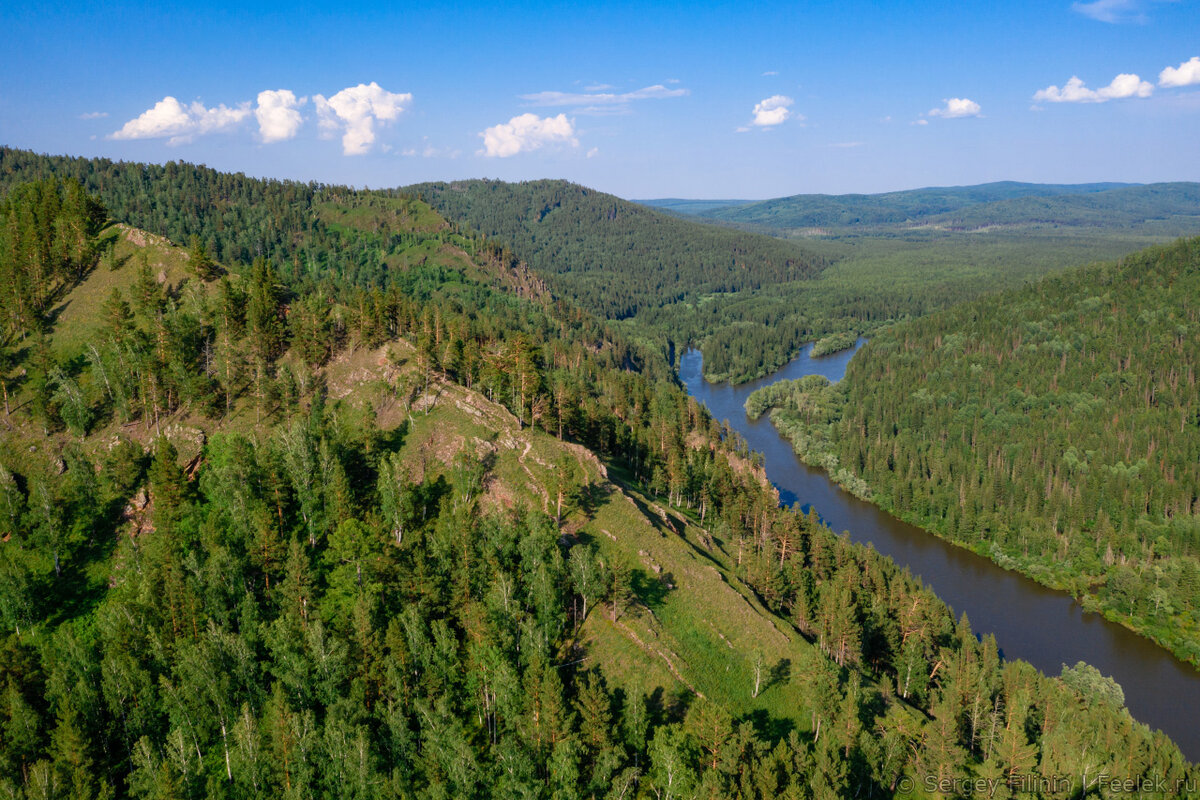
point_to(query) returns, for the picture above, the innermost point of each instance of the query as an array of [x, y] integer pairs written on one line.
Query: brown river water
[[1042, 626]]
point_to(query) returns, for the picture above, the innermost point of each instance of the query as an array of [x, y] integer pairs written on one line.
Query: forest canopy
[[406, 525]]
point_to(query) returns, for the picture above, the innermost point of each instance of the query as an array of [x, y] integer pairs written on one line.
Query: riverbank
[[1046, 627], [809, 414], [827, 461]]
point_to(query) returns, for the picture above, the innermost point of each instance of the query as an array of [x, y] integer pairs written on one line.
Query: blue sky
[[745, 100]]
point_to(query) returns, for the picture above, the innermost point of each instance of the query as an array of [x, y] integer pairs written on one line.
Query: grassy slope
[[695, 626], [76, 315]]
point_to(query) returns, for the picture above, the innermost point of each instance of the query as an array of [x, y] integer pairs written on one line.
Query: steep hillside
[[440, 537], [1053, 429], [613, 256]]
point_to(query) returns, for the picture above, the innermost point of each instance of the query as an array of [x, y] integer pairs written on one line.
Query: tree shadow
[[432, 494], [584, 538], [655, 520], [673, 706], [770, 728], [651, 591], [592, 496], [51, 317], [780, 673]]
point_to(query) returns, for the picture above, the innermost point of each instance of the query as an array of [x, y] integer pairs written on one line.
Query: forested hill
[[237, 218], [407, 527], [1096, 205], [1054, 429], [614, 256]]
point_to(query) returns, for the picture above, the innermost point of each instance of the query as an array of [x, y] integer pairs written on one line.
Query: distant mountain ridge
[[680, 205], [1000, 203]]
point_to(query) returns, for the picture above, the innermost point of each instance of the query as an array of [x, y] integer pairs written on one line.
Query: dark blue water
[[1042, 626]]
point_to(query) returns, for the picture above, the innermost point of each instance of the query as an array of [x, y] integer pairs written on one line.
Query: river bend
[[1042, 626]]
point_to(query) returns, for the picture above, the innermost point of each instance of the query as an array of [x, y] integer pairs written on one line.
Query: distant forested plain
[[857, 261], [310, 492]]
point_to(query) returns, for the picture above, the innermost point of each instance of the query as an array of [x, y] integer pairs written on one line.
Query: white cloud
[[427, 150], [170, 118], [356, 111], [593, 99], [94, 115], [956, 108], [277, 114], [598, 87], [1116, 11], [742, 129], [1185, 74], [603, 111], [526, 133], [1074, 91], [920, 122], [772, 111], [770, 72], [595, 151], [1107, 10]]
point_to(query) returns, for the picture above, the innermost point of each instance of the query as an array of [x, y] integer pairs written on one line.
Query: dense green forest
[[724, 291], [1053, 429], [409, 526], [616, 257]]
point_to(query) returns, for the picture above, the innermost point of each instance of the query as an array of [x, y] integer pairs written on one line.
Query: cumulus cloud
[[526, 133], [1075, 91], [170, 118], [277, 114], [1185, 74], [94, 115], [772, 111], [956, 108], [600, 99], [356, 112]]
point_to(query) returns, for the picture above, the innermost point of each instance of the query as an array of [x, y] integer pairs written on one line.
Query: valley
[[1043, 626], [350, 495], [593, 401]]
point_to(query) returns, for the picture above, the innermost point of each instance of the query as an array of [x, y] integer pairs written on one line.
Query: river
[[1045, 627]]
